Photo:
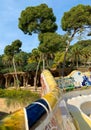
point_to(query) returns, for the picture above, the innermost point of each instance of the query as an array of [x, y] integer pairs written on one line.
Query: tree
[[84, 43], [75, 53], [34, 62], [21, 60], [59, 56], [50, 43], [35, 55], [10, 51], [7, 63], [76, 21], [86, 54], [84, 49], [16, 45], [1, 64], [39, 19], [14, 48]]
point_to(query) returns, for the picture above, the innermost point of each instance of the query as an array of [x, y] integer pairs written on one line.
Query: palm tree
[[75, 53], [86, 54]]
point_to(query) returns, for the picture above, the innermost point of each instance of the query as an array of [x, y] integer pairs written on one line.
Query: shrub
[[22, 97]]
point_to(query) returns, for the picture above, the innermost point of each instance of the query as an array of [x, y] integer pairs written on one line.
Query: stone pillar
[[6, 81], [14, 80]]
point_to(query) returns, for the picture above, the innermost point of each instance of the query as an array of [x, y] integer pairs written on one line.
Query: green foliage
[[1, 64], [38, 19], [18, 96], [10, 50], [41, 20], [76, 18], [76, 22], [86, 54], [84, 47], [21, 60], [16, 45], [31, 66], [51, 42], [80, 52], [35, 55], [2, 93], [84, 43], [59, 57]]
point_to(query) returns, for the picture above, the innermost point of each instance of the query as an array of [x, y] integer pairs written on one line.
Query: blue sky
[[10, 12]]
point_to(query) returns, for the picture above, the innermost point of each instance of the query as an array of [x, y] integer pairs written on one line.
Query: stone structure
[[2, 81], [11, 81]]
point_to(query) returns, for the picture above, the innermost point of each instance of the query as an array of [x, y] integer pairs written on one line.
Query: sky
[[10, 11]]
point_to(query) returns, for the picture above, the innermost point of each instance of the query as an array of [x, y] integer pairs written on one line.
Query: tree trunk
[[35, 78], [66, 51], [16, 77], [64, 61]]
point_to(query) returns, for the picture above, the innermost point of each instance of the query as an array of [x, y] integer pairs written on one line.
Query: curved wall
[[83, 106], [86, 107]]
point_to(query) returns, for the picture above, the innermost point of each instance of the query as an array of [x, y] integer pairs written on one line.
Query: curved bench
[[83, 104]]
